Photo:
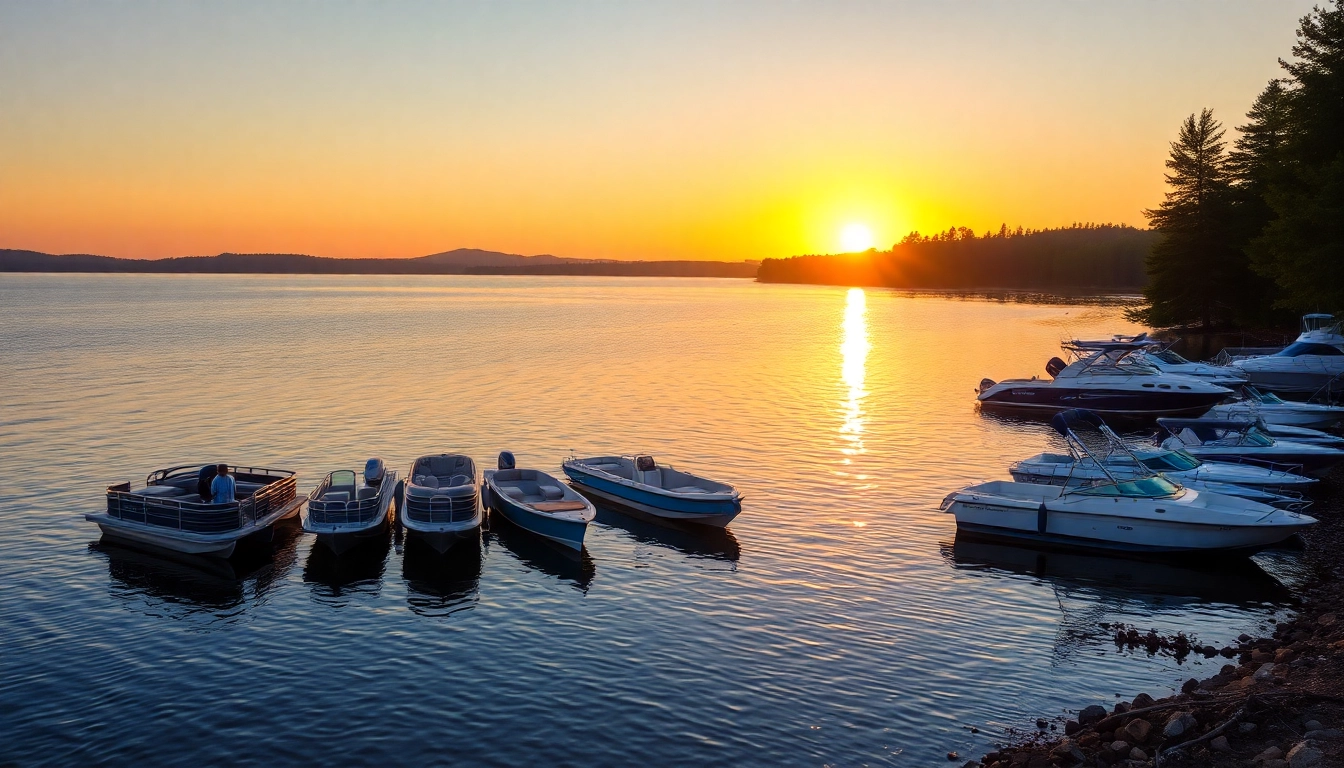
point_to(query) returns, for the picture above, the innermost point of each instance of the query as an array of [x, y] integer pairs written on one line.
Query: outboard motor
[[1054, 366], [985, 385], [645, 463], [506, 460], [373, 472]]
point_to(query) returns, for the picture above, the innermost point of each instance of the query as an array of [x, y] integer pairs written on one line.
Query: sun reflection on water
[[854, 357]]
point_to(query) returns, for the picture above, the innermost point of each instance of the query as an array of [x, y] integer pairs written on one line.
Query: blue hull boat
[[537, 502], [658, 490]]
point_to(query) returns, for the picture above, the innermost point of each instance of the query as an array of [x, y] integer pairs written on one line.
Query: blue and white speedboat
[[641, 484], [537, 502]]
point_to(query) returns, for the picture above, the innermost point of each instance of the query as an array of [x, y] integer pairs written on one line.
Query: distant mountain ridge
[[461, 261]]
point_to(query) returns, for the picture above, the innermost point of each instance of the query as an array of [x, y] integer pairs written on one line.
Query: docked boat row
[[441, 500], [1110, 494]]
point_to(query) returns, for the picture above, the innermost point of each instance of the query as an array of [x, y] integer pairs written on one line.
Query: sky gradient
[[599, 130]]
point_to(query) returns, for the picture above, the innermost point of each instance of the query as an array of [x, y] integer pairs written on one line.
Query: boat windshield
[[1172, 461], [1255, 437], [1167, 356], [1309, 348], [1154, 487]]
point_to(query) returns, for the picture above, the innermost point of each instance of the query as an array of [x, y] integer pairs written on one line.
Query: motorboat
[[1160, 356], [1252, 403], [350, 507], [1243, 441], [1148, 513], [174, 510], [1312, 363], [537, 502], [640, 483], [1104, 379], [1248, 481], [1301, 435], [442, 501]]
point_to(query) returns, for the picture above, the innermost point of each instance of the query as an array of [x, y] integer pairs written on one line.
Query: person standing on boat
[[223, 486]]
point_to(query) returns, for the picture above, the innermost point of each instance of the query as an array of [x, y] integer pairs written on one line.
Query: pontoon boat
[[442, 502], [347, 508]]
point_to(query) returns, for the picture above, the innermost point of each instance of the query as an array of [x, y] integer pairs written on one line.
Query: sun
[[855, 238]]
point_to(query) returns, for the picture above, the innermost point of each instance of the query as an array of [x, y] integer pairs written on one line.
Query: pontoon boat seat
[[336, 496], [366, 493]]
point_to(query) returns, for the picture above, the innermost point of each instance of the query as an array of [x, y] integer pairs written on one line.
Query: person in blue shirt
[[223, 486]]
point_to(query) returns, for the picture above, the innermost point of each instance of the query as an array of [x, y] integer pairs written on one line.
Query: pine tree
[[1302, 245], [1187, 275]]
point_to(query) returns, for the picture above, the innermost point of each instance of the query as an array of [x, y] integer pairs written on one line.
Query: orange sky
[[639, 131]]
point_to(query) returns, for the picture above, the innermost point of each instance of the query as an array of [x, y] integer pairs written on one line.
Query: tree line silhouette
[[1083, 256], [1254, 235]]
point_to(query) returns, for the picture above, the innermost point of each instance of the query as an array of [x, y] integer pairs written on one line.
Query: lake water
[[837, 622]]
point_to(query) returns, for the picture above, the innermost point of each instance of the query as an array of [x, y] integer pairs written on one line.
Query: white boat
[[1244, 441], [537, 502], [1150, 514], [1300, 435], [1158, 354], [174, 511], [348, 507], [1307, 366], [442, 500], [1104, 379], [638, 482], [1253, 404]]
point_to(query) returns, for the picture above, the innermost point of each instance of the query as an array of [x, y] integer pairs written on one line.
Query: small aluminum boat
[[348, 508], [173, 510], [638, 482], [1144, 514], [537, 502], [442, 501]]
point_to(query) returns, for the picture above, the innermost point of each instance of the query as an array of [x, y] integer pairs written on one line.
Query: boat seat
[[652, 477], [336, 496], [366, 493], [428, 481], [161, 491], [508, 474], [513, 492], [551, 492], [688, 489]]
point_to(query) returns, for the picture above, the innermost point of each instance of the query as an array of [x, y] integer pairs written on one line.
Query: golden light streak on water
[[854, 348]]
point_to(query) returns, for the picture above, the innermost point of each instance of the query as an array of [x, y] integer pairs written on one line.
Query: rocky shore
[[1278, 703]]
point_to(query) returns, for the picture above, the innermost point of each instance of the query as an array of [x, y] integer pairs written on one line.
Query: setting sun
[[855, 238]]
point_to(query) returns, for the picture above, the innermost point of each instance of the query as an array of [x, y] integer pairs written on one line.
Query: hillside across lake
[[1107, 258], [463, 261]]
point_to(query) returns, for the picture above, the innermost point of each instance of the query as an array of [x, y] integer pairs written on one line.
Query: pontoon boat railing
[[198, 517], [442, 508], [343, 512]]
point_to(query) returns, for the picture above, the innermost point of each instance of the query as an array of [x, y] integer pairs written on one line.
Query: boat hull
[[341, 542], [568, 533], [1312, 463], [1289, 382], [222, 545], [1044, 398], [1062, 527], [712, 512]]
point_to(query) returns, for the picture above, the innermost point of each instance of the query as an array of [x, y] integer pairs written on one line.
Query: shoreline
[[1277, 703]]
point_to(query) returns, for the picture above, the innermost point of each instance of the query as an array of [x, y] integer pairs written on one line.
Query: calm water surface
[[837, 622]]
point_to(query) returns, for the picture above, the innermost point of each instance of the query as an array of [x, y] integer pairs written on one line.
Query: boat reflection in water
[[533, 551], [358, 570], [441, 584], [196, 588], [1094, 591], [694, 540]]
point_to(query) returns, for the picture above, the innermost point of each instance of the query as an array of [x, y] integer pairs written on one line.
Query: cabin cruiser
[[537, 502], [174, 509], [638, 482], [1312, 363], [347, 507], [1142, 513], [1274, 410], [1102, 378], [442, 502], [1242, 440], [1160, 356]]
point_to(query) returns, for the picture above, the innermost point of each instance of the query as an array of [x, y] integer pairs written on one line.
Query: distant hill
[[1105, 258], [463, 261]]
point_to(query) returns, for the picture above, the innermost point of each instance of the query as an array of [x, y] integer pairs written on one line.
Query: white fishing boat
[[348, 507], [638, 482], [1244, 441], [442, 500], [1253, 404], [537, 502], [1148, 514], [174, 510]]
